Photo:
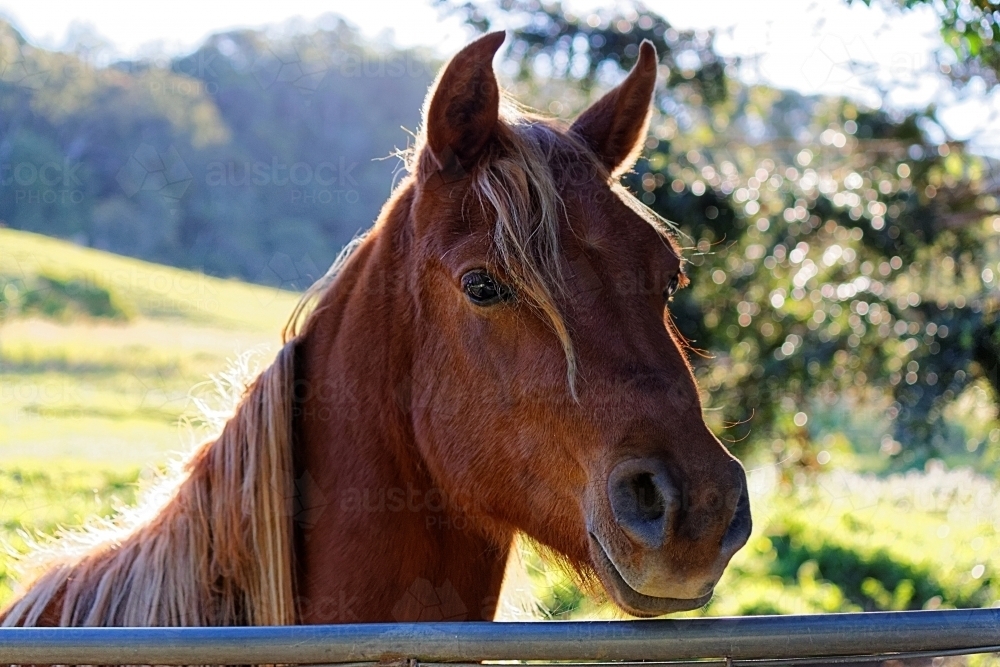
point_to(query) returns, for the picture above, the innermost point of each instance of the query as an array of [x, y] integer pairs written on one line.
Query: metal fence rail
[[782, 638]]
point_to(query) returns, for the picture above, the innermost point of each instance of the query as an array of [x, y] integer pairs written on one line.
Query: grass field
[[100, 357], [113, 389]]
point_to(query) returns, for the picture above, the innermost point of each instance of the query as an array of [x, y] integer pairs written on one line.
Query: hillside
[[113, 385], [257, 143]]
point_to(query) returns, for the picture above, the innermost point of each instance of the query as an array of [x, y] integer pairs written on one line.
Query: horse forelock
[[516, 188]]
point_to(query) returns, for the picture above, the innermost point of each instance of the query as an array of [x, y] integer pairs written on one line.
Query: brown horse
[[495, 357]]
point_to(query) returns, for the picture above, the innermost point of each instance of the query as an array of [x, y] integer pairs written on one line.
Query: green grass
[[103, 369], [149, 290], [849, 542], [41, 497]]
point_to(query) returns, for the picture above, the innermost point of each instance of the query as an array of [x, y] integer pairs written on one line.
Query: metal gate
[[823, 638]]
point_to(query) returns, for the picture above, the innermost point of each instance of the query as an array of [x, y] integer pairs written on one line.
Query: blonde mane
[[518, 190], [213, 545], [210, 547]]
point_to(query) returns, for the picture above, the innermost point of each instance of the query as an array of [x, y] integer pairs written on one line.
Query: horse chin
[[630, 600]]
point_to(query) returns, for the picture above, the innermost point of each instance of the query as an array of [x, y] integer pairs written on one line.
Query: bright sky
[[813, 46]]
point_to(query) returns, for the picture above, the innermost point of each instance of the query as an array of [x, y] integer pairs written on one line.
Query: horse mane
[[212, 545]]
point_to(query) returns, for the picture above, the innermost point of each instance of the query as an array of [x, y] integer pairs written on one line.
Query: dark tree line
[[256, 156]]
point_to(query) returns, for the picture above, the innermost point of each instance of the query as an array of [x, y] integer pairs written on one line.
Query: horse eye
[[672, 286], [483, 290]]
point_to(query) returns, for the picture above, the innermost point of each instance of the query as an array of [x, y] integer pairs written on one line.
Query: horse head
[[553, 387]]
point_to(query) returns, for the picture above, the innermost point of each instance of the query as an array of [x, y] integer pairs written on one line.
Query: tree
[[971, 31], [255, 156]]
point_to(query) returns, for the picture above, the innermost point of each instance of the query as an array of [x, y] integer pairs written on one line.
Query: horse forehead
[[600, 222]]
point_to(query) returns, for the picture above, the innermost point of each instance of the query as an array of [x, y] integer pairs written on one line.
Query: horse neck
[[375, 539]]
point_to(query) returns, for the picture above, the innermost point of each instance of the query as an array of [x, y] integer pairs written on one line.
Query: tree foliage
[[971, 31], [258, 155]]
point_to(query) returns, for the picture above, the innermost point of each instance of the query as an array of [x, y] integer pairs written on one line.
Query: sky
[[812, 46]]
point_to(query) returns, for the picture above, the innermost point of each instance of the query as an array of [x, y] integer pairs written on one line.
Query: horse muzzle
[[658, 549]]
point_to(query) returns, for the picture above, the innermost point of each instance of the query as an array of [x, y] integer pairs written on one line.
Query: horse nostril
[[739, 528], [642, 501], [649, 500]]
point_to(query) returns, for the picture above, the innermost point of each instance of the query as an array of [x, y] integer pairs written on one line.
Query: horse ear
[[615, 125], [464, 104]]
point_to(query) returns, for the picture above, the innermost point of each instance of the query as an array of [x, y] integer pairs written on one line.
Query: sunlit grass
[[40, 497], [103, 391], [88, 403], [115, 390], [149, 290]]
